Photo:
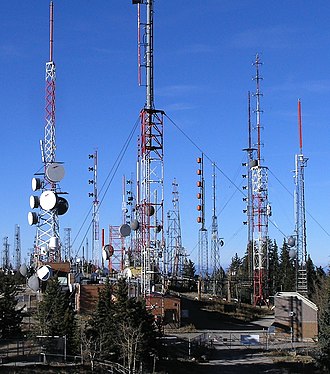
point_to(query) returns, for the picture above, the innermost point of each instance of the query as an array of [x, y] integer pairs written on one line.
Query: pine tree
[[121, 328], [102, 327], [324, 327], [274, 268], [286, 270], [10, 316], [56, 316]]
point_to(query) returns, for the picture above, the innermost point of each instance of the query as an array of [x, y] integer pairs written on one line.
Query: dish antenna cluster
[[48, 199]]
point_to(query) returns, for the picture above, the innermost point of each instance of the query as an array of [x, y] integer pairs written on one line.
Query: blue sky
[[203, 70]]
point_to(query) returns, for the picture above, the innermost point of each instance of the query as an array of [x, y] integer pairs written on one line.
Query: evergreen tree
[[274, 268], [102, 327], [10, 317], [286, 270], [56, 316], [324, 327], [121, 329]]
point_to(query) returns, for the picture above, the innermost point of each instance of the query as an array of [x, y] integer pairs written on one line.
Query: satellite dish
[[107, 252], [159, 228], [55, 172], [62, 206], [127, 273], [292, 254], [23, 270], [150, 210], [34, 202], [53, 242], [32, 218], [44, 273], [36, 184], [222, 243], [124, 230], [135, 225], [291, 241], [48, 200], [33, 283]]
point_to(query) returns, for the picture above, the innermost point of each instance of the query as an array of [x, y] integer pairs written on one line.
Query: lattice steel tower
[[67, 244], [150, 165], [175, 255], [216, 242], [95, 212], [300, 229], [203, 250], [260, 207], [18, 249], [50, 203], [248, 187], [5, 254]]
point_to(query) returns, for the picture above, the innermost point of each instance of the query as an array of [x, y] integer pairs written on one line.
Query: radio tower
[[203, 251], [260, 208], [18, 251], [95, 213], [67, 244], [47, 243], [216, 242], [249, 208], [5, 254], [300, 229], [150, 165], [176, 256]]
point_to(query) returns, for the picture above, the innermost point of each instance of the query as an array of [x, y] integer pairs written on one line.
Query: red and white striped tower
[[51, 203], [150, 165], [260, 207]]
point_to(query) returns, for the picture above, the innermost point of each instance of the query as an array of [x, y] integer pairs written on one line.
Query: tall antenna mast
[[95, 212], [176, 256], [216, 242], [249, 206], [203, 250], [260, 207], [50, 203], [300, 212], [5, 254], [150, 166], [18, 249]]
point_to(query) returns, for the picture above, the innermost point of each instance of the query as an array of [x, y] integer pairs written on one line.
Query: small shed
[[296, 314], [165, 308]]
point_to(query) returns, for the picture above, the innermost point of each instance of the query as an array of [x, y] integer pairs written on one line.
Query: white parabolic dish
[[55, 172], [48, 200]]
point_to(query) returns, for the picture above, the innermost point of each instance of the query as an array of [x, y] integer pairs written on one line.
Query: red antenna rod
[[51, 29], [300, 126]]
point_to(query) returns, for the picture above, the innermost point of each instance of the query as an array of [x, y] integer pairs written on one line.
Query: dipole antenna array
[[203, 254], [51, 203], [216, 242], [176, 257], [261, 209], [150, 165], [300, 213], [250, 151], [18, 248], [95, 211]]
